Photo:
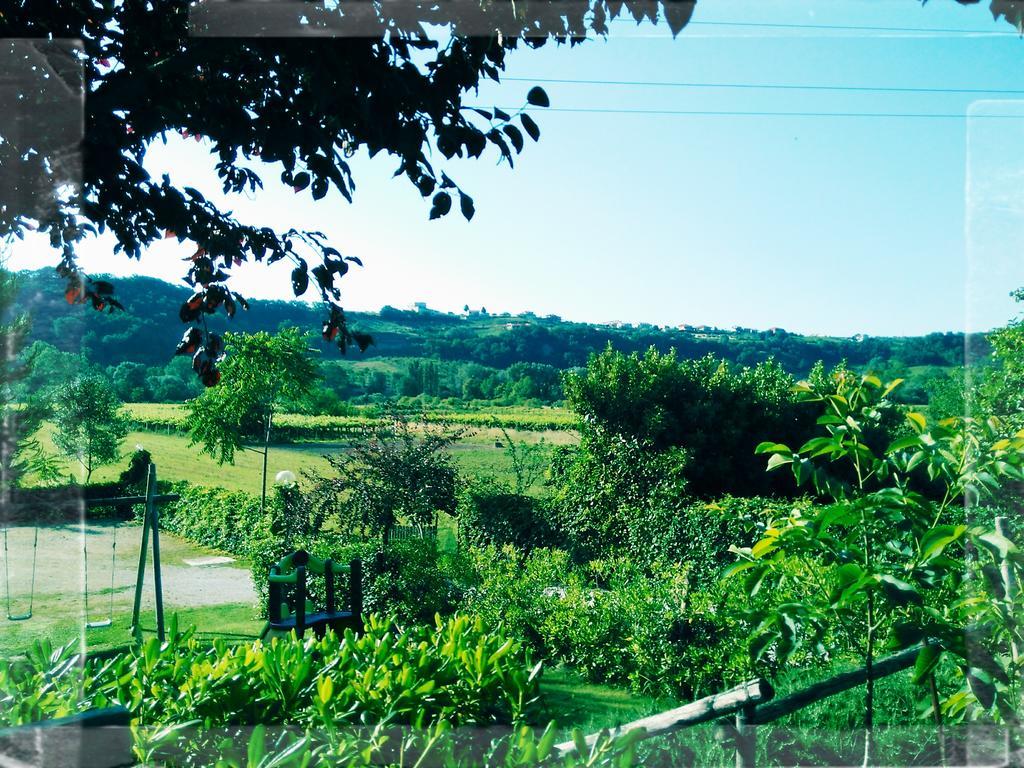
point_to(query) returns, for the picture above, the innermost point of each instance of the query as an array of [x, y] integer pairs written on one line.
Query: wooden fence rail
[[701, 711], [752, 704], [787, 705]]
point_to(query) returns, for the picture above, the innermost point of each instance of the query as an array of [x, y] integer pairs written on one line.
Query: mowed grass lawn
[[476, 454]]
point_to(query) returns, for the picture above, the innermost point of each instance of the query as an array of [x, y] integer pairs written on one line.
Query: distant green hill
[[435, 353]]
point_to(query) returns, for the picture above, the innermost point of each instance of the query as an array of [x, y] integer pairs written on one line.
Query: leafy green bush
[[226, 520], [613, 620], [455, 671], [700, 533], [186, 696], [599, 483], [48, 684], [895, 564], [713, 409], [414, 580], [492, 514]]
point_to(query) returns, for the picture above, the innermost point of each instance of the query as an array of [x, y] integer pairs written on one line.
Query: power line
[[764, 86], [838, 27], [733, 113]]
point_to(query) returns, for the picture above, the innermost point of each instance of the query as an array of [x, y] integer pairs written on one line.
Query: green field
[[477, 454]]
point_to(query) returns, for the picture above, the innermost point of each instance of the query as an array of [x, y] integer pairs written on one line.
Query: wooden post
[[329, 584], [300, 600], [153, 513], [746, 737]]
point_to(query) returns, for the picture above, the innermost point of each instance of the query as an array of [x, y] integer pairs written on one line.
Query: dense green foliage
[[600, 487], [491, 513], [187, 698], [707, 407], [613, 620], [21, 453], [889, 559], [225, 520], [262, 372]]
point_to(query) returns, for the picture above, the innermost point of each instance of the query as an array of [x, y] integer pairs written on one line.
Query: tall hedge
[[226, 520]]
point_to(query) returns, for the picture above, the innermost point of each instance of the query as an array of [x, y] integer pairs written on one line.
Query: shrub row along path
[[198, 594]]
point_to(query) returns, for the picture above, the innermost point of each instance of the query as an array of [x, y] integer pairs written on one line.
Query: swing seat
[[11, 616], [98, 624], [298, 613]]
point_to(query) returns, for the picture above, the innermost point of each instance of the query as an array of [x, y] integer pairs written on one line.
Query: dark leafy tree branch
[[298, 107]]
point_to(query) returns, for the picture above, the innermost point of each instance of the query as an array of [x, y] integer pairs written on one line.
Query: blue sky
[[831, 225]]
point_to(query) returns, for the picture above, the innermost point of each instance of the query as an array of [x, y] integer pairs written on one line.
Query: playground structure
[[289, 607], [150, 537]]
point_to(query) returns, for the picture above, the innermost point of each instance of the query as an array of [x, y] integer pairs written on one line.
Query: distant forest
[[471, 357]]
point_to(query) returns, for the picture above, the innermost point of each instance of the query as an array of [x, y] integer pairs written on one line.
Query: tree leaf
[[927, 659], [982, 687], [300, 279], [917, 421], [911, 441], [769, 447], [938, 538], [442, 204], [530, 126], [537, 97], [515, 136], [678, 14], [899, 592], [466, 205]]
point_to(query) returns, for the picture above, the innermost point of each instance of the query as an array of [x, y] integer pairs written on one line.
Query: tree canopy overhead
[[284, 87]]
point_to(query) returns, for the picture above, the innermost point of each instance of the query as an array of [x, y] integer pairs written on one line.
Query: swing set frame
[[150, 533]]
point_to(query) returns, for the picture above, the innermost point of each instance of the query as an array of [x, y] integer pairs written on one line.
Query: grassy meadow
[[480, 452]]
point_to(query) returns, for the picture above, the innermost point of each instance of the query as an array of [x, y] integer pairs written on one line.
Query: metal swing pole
[[140, 575], [153, 512], [150, 524]]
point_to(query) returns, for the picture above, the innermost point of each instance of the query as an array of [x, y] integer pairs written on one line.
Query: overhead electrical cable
[[765, 86], [737, 113], [838, 27]]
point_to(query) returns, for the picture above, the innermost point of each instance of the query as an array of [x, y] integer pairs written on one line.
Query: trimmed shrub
[[491, 514], [214, 517], [348, 694], [699, 533]]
